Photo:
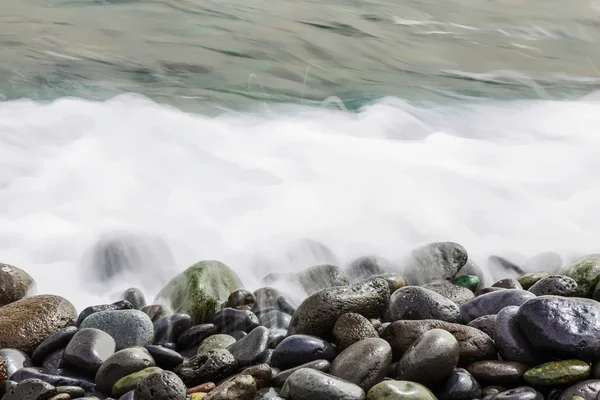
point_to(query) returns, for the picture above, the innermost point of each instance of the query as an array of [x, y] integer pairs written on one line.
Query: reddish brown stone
[[204, 388]]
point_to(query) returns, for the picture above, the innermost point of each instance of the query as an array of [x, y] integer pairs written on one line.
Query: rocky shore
[[433, 331]]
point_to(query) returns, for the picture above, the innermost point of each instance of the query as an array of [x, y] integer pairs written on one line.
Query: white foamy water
[[500, 178]]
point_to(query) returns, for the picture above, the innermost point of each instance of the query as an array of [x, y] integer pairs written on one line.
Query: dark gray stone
[[88, 349], [195, 335], [248, 350], [128, 327], [120, 364], [320, 365], [275, 319], [238, 335], [508, 283], [588, 390], [168, 329], [310, 384], [14, 360], [435, 262], [119, 305], [555, 285], [413, 302], [562, 326], [53, 343], [268, 393], [55, 362], [520, 393], [164, 385], [163, 357], [229, 320], [31, 389], [58, 379], [210, 366], [492, 303], [365, 363], [299, 349], [318, 313], [350, 328], [266, 300], [455, 293], [276, 336], [135, 297], [498, 372], [367, 266], [431, 358], [460, 385], [486, 324], [285, 305], [511, 342]]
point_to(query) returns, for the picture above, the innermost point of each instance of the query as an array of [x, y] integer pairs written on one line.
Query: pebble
[[275, 320], [193, 336], [54, 379], [210, 366], [431, 358], [588, 390], [285, 305], [529, 279], [122, 363], [262, 374], [365, 363], [299, 349], [155, 311], [585, 272], [218, 341], [470, 282], [399, 390], [74, 392], [168, 329], [52, 343], [520, 393], [88, 349], [511, 342], [241, 299], [413, 302], [435, 262], [205, 387], [460, 385], [508, 283], [248, 350], [163, 385], [367, 266], [473, 344], [472, 269], [229, 319], [457, 294], [31, 389], [119, 305], [493, 302], [497, 372], [55, 362], [163, 357], [269, 393], [276, 336], [317, 314], [351, 328], [562, 326], [241, 387], [486, 324], [3, 371], [554, 285], [129, 382], [128, 327], [266, 300], [14, 360], [557, 373], [15, 284], [320, 365], [310, 384], [135, 297]]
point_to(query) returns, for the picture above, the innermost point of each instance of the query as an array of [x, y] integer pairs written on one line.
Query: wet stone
[[557, 373], [164, 358], [460, 385], [74, 392], [276, 336], [30, 389], [486, 324], [88, 349], [119, 305], [241, 299], [266, 300], [195, 335], [248, 350], [164, 385], [320, 365], [365, 363], [275, 319], [310, 384], [520, 393], [135, 297], [155, 311], [242, 387], [55, 362], [54, 379], [588, 390], [508, 283], [458, 294], [210, 366], [417, 303], [128, 327], [498, 372], [555, 285], [168, 329], [399, 390], [285, 305], [299, 349], [129, 382], [120, 364], [492, 303], [52, 343], [470, 282], [529, 279], [229, 319], [14, 360], [511, 342], [351, 328], [219, 341]]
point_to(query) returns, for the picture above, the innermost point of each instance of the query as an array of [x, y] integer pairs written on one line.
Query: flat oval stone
[[562, 326], [498, 372], [365, 363], [248, 350], [511, 342], [300, 349], [399, 390], [588, 390], [218, 341], [52, 343], [229, 320], [320, 365], [164, 385], [74, 392], [88, 349], [14, 360], [493, 302], [275, 320], [53, 379], [129, 382], [210, 366], [529, 279], [122, 363], [30, 389], [135, 297], [473, 344], [486, 324], [414, 302], [195, 335], [557, 373], [555, 285], [129, 328], [310, 384], [460, 385], [163, 357], [431, 358], [167, 329], [351, 328], [520, 393]]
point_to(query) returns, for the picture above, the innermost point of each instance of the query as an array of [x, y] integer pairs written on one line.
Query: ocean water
[[239, 131]]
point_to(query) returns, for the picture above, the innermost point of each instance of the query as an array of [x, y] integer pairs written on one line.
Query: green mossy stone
[[219, 341], [557, 373], [585, 272], [73, 391], [399, 390], [470, 282], [129, 382], [530, 279], [201, 290]]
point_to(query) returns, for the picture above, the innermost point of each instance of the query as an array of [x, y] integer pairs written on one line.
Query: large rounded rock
[[88, 349], [241, 387], [210, 366], [413, 302], [435, 262], [26, 323], [310, 384], [511, 342], [562, 326], [493, 302], [557, 373], [497, 372], [350, 328], [587, 390], [122, 363], [164, 385], [365, 363], [458, 294], [318, 313], [128, 327], [299, 349], [14, 284], [586, 272], [431, 358], [200, 290], [460, 385], [399, 390], [473, 344]]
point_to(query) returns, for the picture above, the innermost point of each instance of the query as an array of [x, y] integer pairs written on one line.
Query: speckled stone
[[350, 328], [458, 294], [3, 371], [365, 363], [210, 366], [529, 279], [486, 324], [31, 389], [417, 303], [128, 327], [241, 387], [135, 297], [554, 285], [14, 284], [241, 299], [588, 390], [310, 384], [498, 372], [218, 341], [163, 385], [508, 283], [557, 373], [122, 363]]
